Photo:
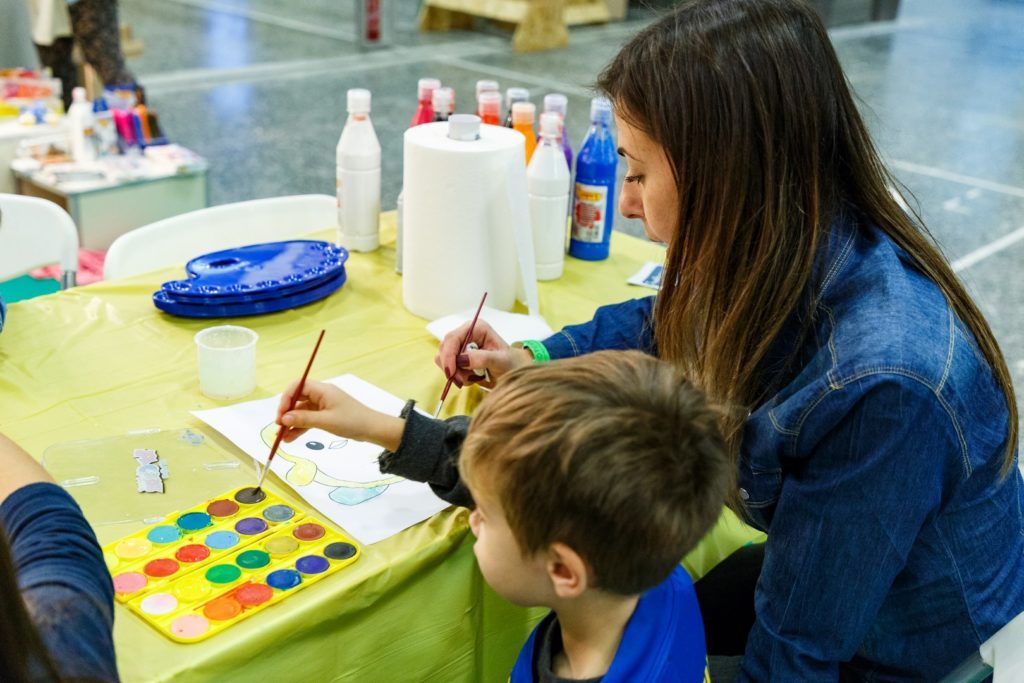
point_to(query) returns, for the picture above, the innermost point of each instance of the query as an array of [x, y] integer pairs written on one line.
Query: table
[[104, 211], [12, 134], [100, 360]]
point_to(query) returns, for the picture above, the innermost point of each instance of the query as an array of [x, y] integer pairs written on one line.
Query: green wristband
[[539, 351]]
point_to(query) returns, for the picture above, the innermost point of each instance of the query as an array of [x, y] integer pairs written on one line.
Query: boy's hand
[[494, 355], [325, 406]]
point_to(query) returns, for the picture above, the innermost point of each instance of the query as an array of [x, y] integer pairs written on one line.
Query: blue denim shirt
[[894, 546]]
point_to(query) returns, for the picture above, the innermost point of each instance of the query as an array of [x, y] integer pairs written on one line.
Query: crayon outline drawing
[[351, 488]]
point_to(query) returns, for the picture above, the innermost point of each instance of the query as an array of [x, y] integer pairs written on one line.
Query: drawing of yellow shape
[[304, 471]]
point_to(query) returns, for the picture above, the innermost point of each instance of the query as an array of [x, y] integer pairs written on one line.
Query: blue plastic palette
[[255, 279]]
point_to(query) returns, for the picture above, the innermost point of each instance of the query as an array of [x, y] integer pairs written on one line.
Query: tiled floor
[[258, 87]]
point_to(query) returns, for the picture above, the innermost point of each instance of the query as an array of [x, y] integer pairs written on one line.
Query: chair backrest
[[1000, 657], [36, 232], [179, 238]]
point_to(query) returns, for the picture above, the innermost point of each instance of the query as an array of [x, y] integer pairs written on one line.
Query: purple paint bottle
[[558, 103]]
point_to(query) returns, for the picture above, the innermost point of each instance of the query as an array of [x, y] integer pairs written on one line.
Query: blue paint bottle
[[594, 189]]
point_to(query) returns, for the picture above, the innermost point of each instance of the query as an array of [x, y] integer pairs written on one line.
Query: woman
[[872, 419], [875, 424], [58, 600]]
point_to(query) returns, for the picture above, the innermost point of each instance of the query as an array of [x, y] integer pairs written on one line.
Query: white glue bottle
[[358, 178], [82, 124], [547, 179]]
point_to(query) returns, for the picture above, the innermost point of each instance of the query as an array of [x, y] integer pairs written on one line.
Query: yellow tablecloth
[[100, 360]]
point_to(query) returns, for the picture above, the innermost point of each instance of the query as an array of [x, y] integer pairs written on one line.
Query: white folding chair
[[36, 232], [1001, 656], [179, 238]]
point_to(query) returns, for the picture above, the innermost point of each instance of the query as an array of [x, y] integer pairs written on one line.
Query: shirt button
[[744, 495]]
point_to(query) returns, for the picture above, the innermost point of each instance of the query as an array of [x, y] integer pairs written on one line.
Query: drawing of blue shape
[[355, 496]]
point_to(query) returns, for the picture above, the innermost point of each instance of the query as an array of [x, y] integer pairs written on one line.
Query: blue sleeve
[[846, 518], [3, 313], [627, 325], [63, 579]]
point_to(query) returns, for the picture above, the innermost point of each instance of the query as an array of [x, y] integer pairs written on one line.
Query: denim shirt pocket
[[759, 490], [760, 468]]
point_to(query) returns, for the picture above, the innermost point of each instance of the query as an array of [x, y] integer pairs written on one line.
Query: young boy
[[591, 478]]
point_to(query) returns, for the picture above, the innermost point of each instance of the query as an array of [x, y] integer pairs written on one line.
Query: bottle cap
[[78, 94], [523, 112], [464, 127], [486, 86], [550, 124], [441, 100], [358, 101], [516, 95], [556, 102], [426, 87], [489, 102], [601, 110]]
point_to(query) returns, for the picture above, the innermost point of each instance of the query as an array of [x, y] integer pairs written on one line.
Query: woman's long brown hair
[[750, 104], [23, 656]]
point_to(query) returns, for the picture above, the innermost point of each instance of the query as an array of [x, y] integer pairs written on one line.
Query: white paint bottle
[[547, 180], [358, 177], [82, 124]]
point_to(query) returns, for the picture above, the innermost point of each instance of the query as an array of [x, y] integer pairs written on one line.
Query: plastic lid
[[516, 95], [486, 86], [464, 127], [358, 101], [426, 86], [601, 110], [78, 95], [523, 112], [441, 100], [550, 124], [556, 102], [489, 102]]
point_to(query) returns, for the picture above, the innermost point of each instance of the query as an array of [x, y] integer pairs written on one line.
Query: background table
[[100, 360], [105, 211]]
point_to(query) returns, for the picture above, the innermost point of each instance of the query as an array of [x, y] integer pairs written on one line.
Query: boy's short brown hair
[[613, 453]]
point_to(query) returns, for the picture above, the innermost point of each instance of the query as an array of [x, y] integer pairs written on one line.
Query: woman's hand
[[325, 406], [494, 355]]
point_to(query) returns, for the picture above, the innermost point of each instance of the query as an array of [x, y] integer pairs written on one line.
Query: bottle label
[[588, 213]]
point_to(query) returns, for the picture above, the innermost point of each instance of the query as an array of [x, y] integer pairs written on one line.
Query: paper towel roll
[[465, 220]]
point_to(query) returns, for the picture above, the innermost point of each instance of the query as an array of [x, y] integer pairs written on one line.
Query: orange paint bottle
[[522, 120]]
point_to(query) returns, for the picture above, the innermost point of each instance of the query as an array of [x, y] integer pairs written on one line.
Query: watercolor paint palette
[[186, 541], [202, 603]]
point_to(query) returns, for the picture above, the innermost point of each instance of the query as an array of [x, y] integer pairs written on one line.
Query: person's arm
[[59, 568], [626, 325], [415, 447], [429, 452], [622, 326], [844, 524], [17, 468]]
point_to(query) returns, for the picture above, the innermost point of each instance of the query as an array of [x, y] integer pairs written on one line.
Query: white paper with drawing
[[340, 478]]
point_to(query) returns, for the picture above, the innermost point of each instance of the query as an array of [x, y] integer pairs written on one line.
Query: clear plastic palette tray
[[100, 474]]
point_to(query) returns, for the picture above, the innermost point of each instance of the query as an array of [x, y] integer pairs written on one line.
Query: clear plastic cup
[[227, 361]]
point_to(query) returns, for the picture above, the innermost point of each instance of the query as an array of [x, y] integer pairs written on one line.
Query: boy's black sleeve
[[429, 452]]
